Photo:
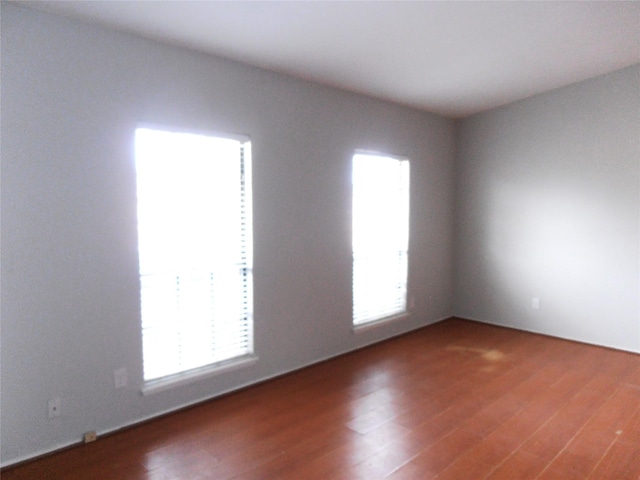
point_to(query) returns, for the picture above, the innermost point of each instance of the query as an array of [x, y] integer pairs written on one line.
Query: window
[[195, 248], [380, 236]]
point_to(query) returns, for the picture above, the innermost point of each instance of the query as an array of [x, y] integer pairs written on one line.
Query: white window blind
[[380, 236], [195, 249]]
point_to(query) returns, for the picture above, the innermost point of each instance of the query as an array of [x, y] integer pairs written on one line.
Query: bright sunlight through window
[[380, 236], [195, 248]]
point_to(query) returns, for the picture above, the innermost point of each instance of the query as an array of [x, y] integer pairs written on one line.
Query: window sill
[[363, 327], [167, 383]]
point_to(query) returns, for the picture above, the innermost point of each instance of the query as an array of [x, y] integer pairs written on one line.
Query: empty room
[[320, 240]]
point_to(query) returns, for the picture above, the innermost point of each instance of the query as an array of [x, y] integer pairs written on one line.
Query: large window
[[195, 247], [380, 236]]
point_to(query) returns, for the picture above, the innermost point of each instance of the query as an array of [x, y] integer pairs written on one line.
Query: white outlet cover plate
[[54, 407]]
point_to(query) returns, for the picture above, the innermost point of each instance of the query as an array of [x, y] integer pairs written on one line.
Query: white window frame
[[380, 240], [218, 360]]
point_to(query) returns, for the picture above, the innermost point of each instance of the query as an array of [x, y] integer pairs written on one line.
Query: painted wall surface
[[72, 96], [548, 207]]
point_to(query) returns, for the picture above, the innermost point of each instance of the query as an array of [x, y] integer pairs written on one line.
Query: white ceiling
[[451, 58]]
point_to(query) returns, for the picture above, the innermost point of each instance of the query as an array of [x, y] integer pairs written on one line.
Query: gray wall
[[548, 207], [544, 194], [72, 96]]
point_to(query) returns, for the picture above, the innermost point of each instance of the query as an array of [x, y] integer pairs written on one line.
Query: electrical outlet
[[535, 303], [120, 377], [54, 407], [90, 437]]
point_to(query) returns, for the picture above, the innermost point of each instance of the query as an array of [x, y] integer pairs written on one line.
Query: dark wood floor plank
[[560, 429], [620, 462], [455, 400], [520, 465]]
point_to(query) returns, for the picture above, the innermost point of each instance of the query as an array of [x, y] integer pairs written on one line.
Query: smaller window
[[380, 236]]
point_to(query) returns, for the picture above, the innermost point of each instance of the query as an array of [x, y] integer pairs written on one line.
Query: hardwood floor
[[456, 400]]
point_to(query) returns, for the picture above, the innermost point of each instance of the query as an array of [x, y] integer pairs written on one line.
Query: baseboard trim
[[545, 334]]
